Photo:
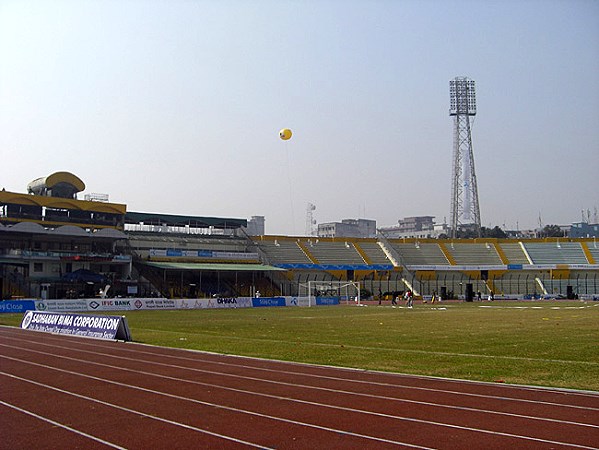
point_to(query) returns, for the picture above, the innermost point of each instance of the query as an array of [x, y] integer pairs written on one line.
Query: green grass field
[[537, 343]]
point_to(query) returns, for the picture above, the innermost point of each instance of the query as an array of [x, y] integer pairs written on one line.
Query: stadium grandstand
[[54, 246]]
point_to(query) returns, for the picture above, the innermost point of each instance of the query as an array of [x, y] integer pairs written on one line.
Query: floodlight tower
[[310, 221], [465, 211]]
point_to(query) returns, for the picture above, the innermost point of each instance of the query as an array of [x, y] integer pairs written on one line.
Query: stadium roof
[[209, 266], [182, 221], [14, 198], [64, 230]]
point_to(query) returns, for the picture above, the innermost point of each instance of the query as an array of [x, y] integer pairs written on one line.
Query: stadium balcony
[[179, 246]]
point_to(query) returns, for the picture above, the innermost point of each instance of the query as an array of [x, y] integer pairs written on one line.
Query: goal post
[[345, 291]]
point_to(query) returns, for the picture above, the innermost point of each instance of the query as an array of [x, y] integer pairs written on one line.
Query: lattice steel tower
[[465, 212]]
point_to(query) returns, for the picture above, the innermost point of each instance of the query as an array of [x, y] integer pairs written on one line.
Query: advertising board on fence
[[110, 304], [175, 253], [216, 302], [229, 302], [61, 305], [268, 301], [327, 301], [16, 306], [99, 327], [155, 303], [134, 304]]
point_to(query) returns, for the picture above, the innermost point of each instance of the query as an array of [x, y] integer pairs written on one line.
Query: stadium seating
[[593, 248], [143, 242], [333, 252], [416, 253], [555, 252], [447, 253], [514, 252], [283, 251], [474, 253], [373, 252]]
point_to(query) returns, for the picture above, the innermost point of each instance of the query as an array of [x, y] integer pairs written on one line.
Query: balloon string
[[290, 188]]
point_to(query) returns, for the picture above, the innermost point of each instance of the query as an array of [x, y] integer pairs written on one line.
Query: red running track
[[63, 391]]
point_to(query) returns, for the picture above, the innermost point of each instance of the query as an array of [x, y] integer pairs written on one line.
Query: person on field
[[409, 297]]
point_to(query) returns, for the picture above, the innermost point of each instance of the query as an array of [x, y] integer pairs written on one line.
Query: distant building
[[255, 226], [526, 234], [514, 234], [415, 227], [359, 228], [584, 230], [565, 229]]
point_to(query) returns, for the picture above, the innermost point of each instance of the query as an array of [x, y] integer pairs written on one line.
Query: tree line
[[498, 233]]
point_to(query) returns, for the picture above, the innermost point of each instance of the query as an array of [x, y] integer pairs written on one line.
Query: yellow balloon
[[285, 134]]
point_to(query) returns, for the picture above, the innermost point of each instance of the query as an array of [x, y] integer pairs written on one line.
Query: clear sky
[[175, 106]]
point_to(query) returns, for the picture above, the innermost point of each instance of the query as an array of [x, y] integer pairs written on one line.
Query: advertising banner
[[268, 301], [234, 302], [159, 303], [61, 305], [325, 301], [175, 253], [16, 306], [155, 303], [110, 304], [99, 327]]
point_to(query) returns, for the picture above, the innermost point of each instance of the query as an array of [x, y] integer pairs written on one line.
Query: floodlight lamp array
[[462, 96]]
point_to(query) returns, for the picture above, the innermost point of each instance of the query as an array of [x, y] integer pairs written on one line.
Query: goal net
[[328, 292]]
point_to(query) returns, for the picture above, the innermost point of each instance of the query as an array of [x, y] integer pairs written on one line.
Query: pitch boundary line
[[398, 350], [524, 387], [496, 397]]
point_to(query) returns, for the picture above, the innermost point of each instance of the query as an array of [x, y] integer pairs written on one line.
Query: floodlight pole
[[465, 211]]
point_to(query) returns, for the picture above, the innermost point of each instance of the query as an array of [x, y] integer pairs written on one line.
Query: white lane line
[[214, 405], [354, 381], [128, 410], [539, 307], [512, 387], [410, 419], [61, 425], [402, 350], [305, 386]]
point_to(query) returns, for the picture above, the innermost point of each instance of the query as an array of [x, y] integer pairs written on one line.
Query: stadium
[[203, 373], [145, 306], [55, 246]]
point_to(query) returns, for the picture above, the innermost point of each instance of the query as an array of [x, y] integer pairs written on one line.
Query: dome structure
[[59, 184]]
